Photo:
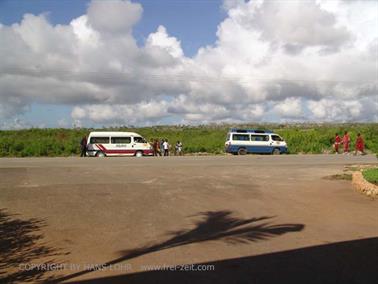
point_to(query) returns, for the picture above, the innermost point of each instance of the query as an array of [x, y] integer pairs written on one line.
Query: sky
[[101, 63]]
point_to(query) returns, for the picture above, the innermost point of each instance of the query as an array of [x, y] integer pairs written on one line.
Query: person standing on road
[[178, 149], [337, 143], [360, 145], [162, 147], [166, 147], [156, 147], [83, 147], [346, 142]]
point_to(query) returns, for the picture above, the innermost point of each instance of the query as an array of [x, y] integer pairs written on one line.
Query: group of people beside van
[[162, 147], [345, 143]]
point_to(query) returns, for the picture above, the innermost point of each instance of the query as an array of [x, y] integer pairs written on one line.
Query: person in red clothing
[[337, 143], [156, 147], [346, 142], [360, 145]]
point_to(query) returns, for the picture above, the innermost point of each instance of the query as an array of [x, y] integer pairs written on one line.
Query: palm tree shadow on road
[[213, 225]]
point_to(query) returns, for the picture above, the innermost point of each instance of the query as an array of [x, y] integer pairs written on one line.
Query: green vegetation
[[371, 175], [301, 138]]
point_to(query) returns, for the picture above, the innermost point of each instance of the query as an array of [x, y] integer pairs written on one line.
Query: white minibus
[[101, 144]]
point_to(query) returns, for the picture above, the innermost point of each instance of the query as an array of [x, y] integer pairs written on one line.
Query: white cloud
[[343, 110], [113, 16], [272, 60], [148, 112], [297, 24], [290, 108], [84, 34], [335, 110], [162, 40]]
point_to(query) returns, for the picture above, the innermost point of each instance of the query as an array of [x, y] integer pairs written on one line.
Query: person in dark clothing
[[83, 147], [156, 147], [162, 147]]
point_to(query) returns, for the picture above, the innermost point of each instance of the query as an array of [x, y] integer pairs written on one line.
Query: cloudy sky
[[103, 63]]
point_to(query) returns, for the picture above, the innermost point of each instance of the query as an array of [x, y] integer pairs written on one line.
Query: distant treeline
[[301, 138]]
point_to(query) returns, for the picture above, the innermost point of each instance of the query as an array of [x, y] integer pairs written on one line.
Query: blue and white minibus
[[244, 141]]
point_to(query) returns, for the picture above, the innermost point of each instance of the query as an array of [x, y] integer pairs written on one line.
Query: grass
[[301, 138], [371, 175]]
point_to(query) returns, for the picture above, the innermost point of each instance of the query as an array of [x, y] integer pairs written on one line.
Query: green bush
[[371, 175]]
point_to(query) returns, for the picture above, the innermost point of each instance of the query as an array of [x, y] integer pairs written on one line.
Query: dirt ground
[[255, 219]]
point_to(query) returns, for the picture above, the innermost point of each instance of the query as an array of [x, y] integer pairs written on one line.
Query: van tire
[[276, 151], [242, 151], [138, 154], [100, 154]]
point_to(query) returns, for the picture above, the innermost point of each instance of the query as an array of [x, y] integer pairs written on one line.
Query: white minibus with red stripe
[[102, 144]]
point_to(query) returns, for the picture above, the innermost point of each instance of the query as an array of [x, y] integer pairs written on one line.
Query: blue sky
[[186, 61], [194, 22]]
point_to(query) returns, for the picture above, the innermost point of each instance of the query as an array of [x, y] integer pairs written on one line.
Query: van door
[[278, 142], [239, 141], [98, 144], [121, 146], [260, 143], [140, 144]]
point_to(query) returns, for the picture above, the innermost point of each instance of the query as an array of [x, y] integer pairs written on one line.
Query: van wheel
[[100, 154], [276, 151], [139, 154], [242, 151]]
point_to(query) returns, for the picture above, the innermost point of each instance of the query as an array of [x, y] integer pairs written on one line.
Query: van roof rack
[[240, 130]]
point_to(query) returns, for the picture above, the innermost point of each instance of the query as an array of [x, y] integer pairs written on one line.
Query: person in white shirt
[[166, 147], [178, 149]]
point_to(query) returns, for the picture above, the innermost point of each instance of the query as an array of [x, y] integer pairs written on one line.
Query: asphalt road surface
[[217, 219]]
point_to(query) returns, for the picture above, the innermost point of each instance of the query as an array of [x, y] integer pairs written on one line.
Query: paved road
[[271, 161], [237, 213]]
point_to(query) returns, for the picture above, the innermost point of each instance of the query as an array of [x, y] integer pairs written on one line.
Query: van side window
[[260, 138], [139, 140], [121, 140], [276, 138], [101, 140], [240, 137]]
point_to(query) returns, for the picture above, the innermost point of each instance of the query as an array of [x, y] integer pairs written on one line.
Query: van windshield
[[139, 140], [276, 138]]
